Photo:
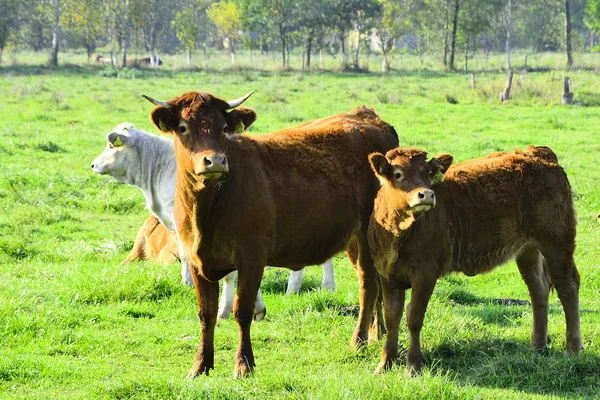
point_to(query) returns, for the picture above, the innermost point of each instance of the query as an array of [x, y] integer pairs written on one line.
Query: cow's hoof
[[259, 316], [224, 314], [242, 371], [199, 368]]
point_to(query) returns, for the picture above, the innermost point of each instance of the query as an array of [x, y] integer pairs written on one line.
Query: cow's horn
[[234, 103], [157, 102]]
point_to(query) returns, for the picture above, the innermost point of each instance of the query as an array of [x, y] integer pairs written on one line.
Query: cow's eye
[[182, 129], [397, 175]]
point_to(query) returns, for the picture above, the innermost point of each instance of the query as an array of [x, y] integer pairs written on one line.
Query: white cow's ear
[[116, 139]]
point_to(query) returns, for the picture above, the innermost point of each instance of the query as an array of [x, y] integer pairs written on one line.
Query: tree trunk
[[283, 43], [309, 47], [454, 29], [1, 51], [55, 33], [508, 33], [343, 45], [357, 51], [384, 64], [189, 57], [505, 95], [567, 95], [125, 38], [321, 58], [445, 57], [568, 34]]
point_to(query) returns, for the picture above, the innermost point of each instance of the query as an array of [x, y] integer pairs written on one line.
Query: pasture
[[76, 324]]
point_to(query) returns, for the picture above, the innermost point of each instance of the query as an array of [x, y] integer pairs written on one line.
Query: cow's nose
[[422, 200], [214, 164]]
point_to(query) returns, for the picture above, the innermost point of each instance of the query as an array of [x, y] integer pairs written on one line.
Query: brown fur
[[488, 211], [154, 242], [290, 198]]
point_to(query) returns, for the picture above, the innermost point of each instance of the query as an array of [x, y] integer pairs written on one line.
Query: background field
[[76, 324]]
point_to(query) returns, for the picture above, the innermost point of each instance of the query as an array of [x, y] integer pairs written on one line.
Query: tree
[[389, 26], [275, 18], [364, 20], [9, 18], [187, 30], [455, 13], [82, 20], [227, 16], [55, 32], [312, 22], [592, 16], [568, 47]]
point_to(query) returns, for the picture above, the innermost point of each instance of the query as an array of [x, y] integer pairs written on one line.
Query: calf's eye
[[397, 175], [182, 129]]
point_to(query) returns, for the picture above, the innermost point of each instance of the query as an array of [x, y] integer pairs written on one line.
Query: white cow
[[148, 162]]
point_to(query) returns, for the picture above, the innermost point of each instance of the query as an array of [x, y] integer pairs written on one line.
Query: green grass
[[76, 324]]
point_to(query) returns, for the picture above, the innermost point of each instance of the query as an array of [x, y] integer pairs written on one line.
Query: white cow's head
[[119, 157]]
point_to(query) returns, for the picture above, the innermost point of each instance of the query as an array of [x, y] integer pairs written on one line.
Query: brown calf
[[154, 242], [289, 199], [483, 213]]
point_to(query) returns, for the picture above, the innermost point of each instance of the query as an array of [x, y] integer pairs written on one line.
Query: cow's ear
[[379, 165], [239, 119], [440, 163], [164, 119], [116, 139]]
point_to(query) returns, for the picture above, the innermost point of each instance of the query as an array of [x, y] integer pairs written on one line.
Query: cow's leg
[[367, 286], [186, 273], [531, 266], [295, 281], [243, 307], [260, 309], [328, 275], [226, 303], [207, 294], [139, 248], [422, 288], [393, 303], [565, 279], [377, 329]]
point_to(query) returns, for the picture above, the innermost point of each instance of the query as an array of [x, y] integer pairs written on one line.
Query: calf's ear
[[379, 165], [239, 119], [164, 119], [440, 163]]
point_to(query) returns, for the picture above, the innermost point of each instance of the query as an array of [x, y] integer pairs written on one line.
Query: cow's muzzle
[[422, 201], [212, 166]]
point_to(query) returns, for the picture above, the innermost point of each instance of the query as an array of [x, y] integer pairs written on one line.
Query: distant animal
[[154, 242], [144, 62], [291, 198], [482, 214]]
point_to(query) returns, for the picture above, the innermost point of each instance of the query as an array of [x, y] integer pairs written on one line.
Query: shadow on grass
[[506, 364]]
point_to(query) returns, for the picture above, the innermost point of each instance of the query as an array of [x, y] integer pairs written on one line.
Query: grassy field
[[76, 324]]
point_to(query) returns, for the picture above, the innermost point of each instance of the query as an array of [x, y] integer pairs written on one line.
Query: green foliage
[[592, 15]]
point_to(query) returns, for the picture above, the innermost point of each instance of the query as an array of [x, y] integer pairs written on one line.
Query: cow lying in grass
[[154, 242], [483, 213], [148, 162]]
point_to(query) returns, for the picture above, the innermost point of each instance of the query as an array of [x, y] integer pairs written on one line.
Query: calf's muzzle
[[422, 200], [212, 166]]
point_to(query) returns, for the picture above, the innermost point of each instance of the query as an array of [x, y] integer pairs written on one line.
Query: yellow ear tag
[[240, 127], [162, 126], [118, 142]]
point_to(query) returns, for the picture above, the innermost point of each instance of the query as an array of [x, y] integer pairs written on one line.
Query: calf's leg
[[422, 289], [367, 286], [207, 294], [565, 279], [248, 286], [531, 267], [393, 303]]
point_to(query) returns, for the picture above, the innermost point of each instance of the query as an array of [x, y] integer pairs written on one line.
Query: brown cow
[[483, 213], [154, 242], [290, 199]]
